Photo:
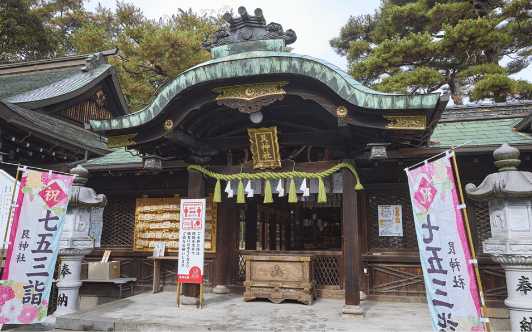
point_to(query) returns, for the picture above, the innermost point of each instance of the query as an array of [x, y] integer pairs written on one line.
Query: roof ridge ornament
[[93, 61], [248, 28]]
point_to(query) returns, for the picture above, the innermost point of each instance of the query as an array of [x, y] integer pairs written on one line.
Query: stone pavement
[[158, 312]]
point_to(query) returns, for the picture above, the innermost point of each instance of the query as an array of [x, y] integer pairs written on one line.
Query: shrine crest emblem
[[264, 147]]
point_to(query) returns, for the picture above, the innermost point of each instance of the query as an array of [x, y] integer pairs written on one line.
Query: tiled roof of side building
[[78, 81], [62, 129], [478, 133], [11, 86]]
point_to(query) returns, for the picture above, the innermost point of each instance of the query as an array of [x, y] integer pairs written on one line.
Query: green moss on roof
[[119, 156], [478, 132]]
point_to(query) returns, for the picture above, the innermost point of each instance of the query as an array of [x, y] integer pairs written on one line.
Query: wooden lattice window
[[241, 268], [482, 212], [327, 270], [118, 223], [408, 240]]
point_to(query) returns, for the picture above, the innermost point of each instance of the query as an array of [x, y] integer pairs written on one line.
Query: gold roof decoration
[[250, 91], [341, 111], [412, 122], [168, 124], [122, 140]]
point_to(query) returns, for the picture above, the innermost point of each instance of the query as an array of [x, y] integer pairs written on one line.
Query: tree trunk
[[456, 92]]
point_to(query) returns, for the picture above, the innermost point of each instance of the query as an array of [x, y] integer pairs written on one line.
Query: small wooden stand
[[157, 270], [179, 295]]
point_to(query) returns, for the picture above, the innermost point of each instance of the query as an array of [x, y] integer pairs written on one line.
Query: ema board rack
[[157, 220]]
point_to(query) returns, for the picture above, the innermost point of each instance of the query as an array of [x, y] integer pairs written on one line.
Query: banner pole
[[178, 293], [471, 247], [9, 216], [201, 296]]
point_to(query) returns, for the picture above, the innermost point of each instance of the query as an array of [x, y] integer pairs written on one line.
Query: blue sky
[[315, 22]]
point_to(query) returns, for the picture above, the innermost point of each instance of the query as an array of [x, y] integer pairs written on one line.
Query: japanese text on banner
[[445, 258], [35, 234]]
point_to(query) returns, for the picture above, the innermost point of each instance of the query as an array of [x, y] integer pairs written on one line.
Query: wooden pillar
[[251, 225], [351, 245], [227, 215], [232, 241], [196, 189]]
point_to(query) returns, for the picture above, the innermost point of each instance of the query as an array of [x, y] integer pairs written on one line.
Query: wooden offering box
[[278, 278]]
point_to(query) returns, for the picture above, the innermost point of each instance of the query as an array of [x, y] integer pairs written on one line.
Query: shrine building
[[256, 108]]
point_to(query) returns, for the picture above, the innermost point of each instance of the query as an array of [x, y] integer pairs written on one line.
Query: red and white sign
[[191, 241]]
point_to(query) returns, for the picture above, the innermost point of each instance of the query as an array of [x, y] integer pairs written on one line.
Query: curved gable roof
[[75, 83], [264, 63]]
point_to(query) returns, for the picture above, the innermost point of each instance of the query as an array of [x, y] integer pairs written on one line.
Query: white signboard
[[390, 220], [96, 225], [191, 241], [6, 192]]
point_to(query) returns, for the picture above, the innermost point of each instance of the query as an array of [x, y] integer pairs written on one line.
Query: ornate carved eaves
[[250, 98], [410, 122]]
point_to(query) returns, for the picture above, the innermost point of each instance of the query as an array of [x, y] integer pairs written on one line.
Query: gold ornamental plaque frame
[[264, 147]]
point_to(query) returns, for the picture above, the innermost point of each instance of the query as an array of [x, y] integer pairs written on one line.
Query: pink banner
[[34, 243], [449, 275]]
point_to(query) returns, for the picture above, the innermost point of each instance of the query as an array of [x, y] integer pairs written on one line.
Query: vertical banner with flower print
[[34, 243], [445, 258]]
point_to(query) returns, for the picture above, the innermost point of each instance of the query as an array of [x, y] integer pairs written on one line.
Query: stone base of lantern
[[69, 280], [518, 270]]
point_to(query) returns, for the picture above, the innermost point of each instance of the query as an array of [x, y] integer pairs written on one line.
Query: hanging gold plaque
[[264, 147]]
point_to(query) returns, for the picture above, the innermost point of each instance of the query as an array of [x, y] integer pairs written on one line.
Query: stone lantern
[[509, 194], [75, 240]]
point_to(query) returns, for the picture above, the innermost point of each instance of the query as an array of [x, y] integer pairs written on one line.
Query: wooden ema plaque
[[278, 278], [157, 220]]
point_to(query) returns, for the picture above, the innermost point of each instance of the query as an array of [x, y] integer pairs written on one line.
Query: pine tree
[[420, 46], [23, 36], [152, 52]]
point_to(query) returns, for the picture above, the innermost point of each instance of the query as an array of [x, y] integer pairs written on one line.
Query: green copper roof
[[11, 86], [48, 89], [119, 156], [478, 132], [267, 62]]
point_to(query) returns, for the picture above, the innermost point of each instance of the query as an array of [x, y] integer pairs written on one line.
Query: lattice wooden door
[[118, 223], [327, 270]]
